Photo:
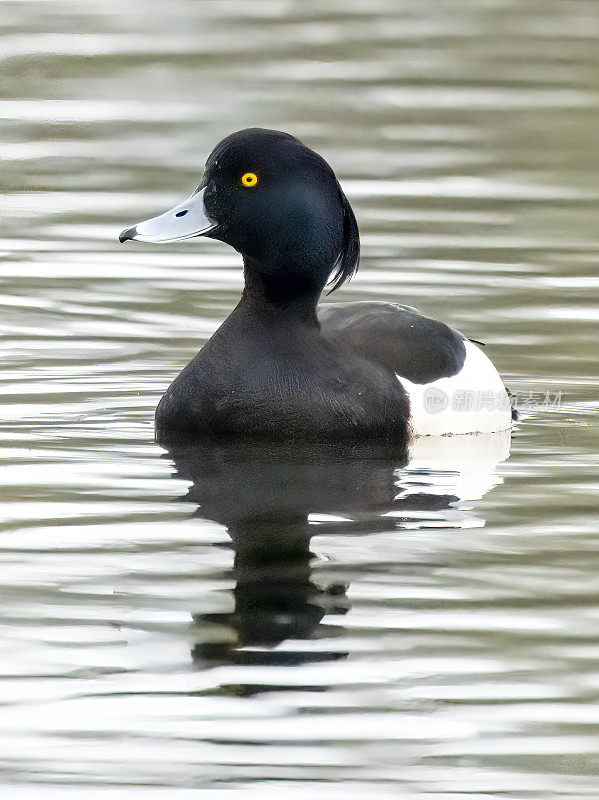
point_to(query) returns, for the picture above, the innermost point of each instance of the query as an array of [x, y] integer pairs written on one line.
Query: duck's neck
[[276, 297]]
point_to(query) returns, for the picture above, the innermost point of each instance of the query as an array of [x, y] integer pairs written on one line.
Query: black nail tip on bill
[[129, 233]]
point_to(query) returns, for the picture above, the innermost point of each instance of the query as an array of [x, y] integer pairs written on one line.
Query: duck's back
[[452, 387]]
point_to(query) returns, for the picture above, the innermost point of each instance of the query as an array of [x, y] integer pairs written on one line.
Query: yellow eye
[[249, 179]]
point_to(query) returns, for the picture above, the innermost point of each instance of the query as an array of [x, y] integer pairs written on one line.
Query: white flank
[[473, 401]]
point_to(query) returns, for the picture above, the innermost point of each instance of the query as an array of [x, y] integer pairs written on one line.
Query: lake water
[[310, 625]]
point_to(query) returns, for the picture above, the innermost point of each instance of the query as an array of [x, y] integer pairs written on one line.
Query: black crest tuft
[[348, 259]]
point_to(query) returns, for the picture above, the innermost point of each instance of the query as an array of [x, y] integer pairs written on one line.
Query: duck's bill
[[185, 221]]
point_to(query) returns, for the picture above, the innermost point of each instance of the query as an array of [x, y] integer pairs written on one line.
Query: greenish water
[[319, 626]]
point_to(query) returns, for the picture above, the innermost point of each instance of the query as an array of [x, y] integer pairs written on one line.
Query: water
[[318, 624]]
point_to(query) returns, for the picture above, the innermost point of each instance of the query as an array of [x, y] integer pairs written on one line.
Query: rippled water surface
[[311, 625]]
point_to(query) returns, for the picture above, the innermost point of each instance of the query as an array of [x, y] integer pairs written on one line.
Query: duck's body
[[281, 366], [359, 370]]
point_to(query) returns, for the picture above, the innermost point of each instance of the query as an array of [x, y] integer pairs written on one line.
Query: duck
[[284, 366]]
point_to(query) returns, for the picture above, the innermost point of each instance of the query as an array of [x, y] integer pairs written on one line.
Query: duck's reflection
[[275, 600], [268, 495]]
